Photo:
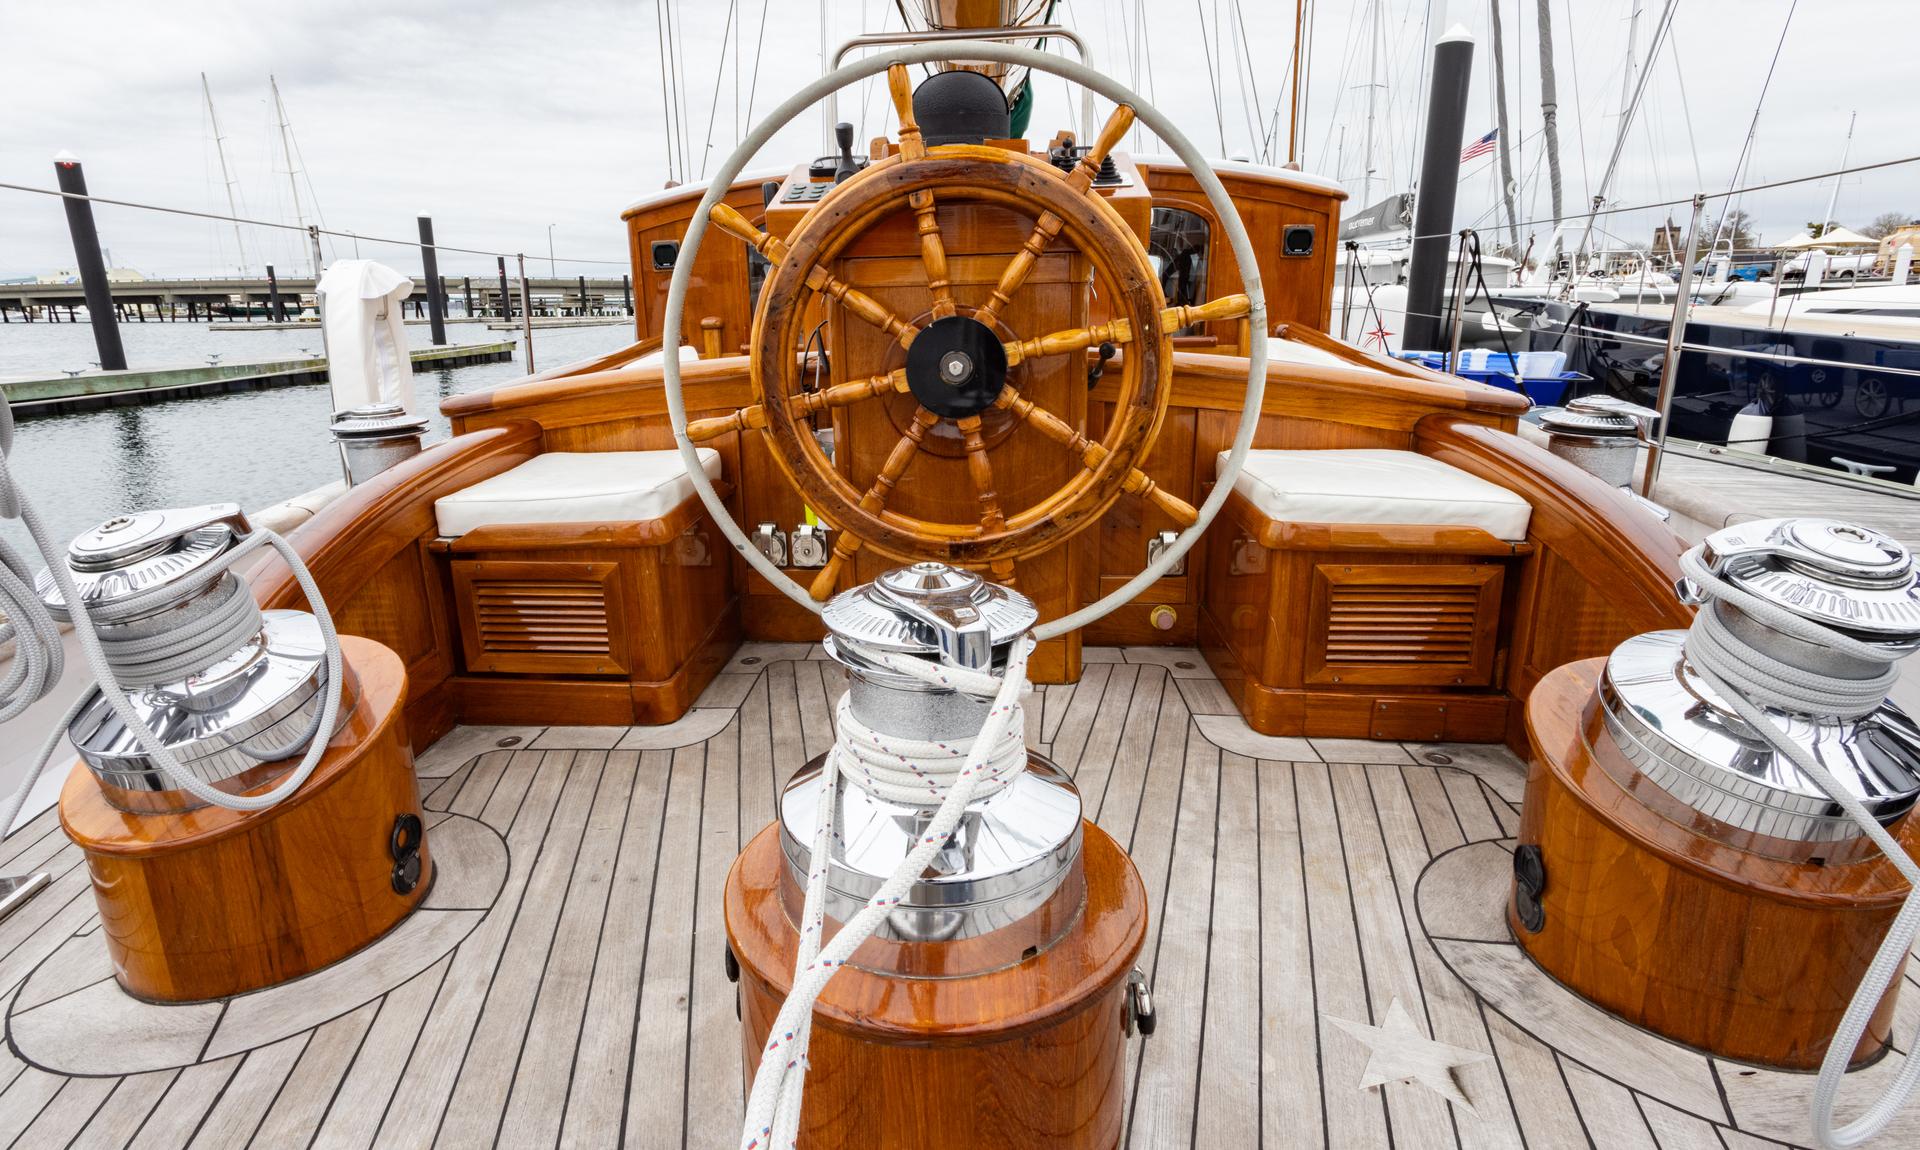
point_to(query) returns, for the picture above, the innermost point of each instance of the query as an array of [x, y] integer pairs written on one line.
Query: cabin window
[[1177, 245]]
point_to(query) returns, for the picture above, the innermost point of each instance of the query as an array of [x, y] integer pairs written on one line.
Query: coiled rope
[[39, 658], [908, 771], [1749, 680]]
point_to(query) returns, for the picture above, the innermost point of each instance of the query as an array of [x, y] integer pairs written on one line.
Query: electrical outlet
[[1159, 545], [771, 542], [811, 547]]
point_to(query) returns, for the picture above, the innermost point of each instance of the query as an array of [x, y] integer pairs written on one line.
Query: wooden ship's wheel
[[958, 363]]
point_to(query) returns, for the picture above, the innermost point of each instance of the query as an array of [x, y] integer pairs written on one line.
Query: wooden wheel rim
[[974, 175]]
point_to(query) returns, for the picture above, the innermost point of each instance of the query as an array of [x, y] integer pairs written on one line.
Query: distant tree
[[1736, 225], [1886, 223]]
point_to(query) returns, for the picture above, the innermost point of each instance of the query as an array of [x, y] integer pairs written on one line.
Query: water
[[254, 448]]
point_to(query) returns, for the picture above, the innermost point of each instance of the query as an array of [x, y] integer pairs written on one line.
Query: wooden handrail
[[1593, 527], [354, 536]]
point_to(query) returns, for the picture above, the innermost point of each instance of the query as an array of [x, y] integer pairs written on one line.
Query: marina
[[982, 599]]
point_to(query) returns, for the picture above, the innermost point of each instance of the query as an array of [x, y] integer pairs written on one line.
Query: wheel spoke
[[1021, 265], [1111, 133], [844, 394], [819, 279], [900, 87], [980, 469], [1048, 225], [1226, 307], [1066, 342], [701, 430], [862, 305], [1092, 454], [933, 253], [845, 544], [730, 221]]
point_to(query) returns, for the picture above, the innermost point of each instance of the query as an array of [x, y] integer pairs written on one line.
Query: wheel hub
[[956, 367]]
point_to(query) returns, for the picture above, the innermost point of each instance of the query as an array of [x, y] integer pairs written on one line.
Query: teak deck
[[569, 989]]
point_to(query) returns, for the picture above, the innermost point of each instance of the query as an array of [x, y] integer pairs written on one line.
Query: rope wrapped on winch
[[913, 771], [1751, 681]]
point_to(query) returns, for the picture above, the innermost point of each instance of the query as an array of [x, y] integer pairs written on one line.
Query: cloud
[[500, 119]]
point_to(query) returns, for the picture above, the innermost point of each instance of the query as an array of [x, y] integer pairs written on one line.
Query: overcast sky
[[501, 119]]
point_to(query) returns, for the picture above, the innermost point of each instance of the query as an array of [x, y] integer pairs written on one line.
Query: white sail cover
[[366, 338]]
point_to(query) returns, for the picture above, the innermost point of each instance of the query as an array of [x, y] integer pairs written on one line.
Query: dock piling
[[1439, 177], [506, 297], [626, 293], [526, 311], [274, 308], [436, 291], [93, 268]]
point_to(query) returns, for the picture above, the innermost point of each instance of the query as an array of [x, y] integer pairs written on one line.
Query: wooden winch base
[[1030, 1055], [1743, 955], [213, 902]]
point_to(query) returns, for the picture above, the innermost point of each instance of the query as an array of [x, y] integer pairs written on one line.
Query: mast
[[1845, 152], [1626, 76], [220, 149], [1500, 123], [1293, 117], [1373, 95], [286, 149], [1549, 113]]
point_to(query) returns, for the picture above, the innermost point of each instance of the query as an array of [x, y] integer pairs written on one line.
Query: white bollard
[[1902, 263], [1816, 266]]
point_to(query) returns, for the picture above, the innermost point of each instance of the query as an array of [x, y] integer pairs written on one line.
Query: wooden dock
[[92, 390]]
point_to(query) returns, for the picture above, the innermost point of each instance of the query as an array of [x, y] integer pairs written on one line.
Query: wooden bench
[[587, 589], [1363, 626]]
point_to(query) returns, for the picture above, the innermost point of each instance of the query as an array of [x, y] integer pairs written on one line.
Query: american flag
[[1479, 147]]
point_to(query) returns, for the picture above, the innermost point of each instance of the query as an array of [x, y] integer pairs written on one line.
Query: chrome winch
[[252, 693], [1680, 734], [1600, 434], [1015, 852]]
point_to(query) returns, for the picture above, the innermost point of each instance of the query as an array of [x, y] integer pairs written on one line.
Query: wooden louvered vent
[[1407, 624], [541, 617]]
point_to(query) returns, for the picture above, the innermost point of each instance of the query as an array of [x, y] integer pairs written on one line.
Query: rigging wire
[[683, 113], [216, 216], [713, 107], [666, 100], [1213, 77], [1580, 121], [1746, 149], [759, 42], [1243, 66]]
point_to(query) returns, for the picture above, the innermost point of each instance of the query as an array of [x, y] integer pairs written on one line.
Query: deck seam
[[646, 944], [546, 958], [593, 968]]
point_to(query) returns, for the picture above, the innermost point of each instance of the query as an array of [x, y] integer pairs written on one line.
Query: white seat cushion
[[575, 487], [1372, 486]]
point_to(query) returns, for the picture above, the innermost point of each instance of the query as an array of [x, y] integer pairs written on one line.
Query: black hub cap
[[956, 367]]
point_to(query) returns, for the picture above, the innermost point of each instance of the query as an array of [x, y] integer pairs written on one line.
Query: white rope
[[39, 659], [956, 772], [1750, 680]]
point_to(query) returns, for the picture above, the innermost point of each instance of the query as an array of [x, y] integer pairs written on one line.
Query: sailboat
[[1145, 719]]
